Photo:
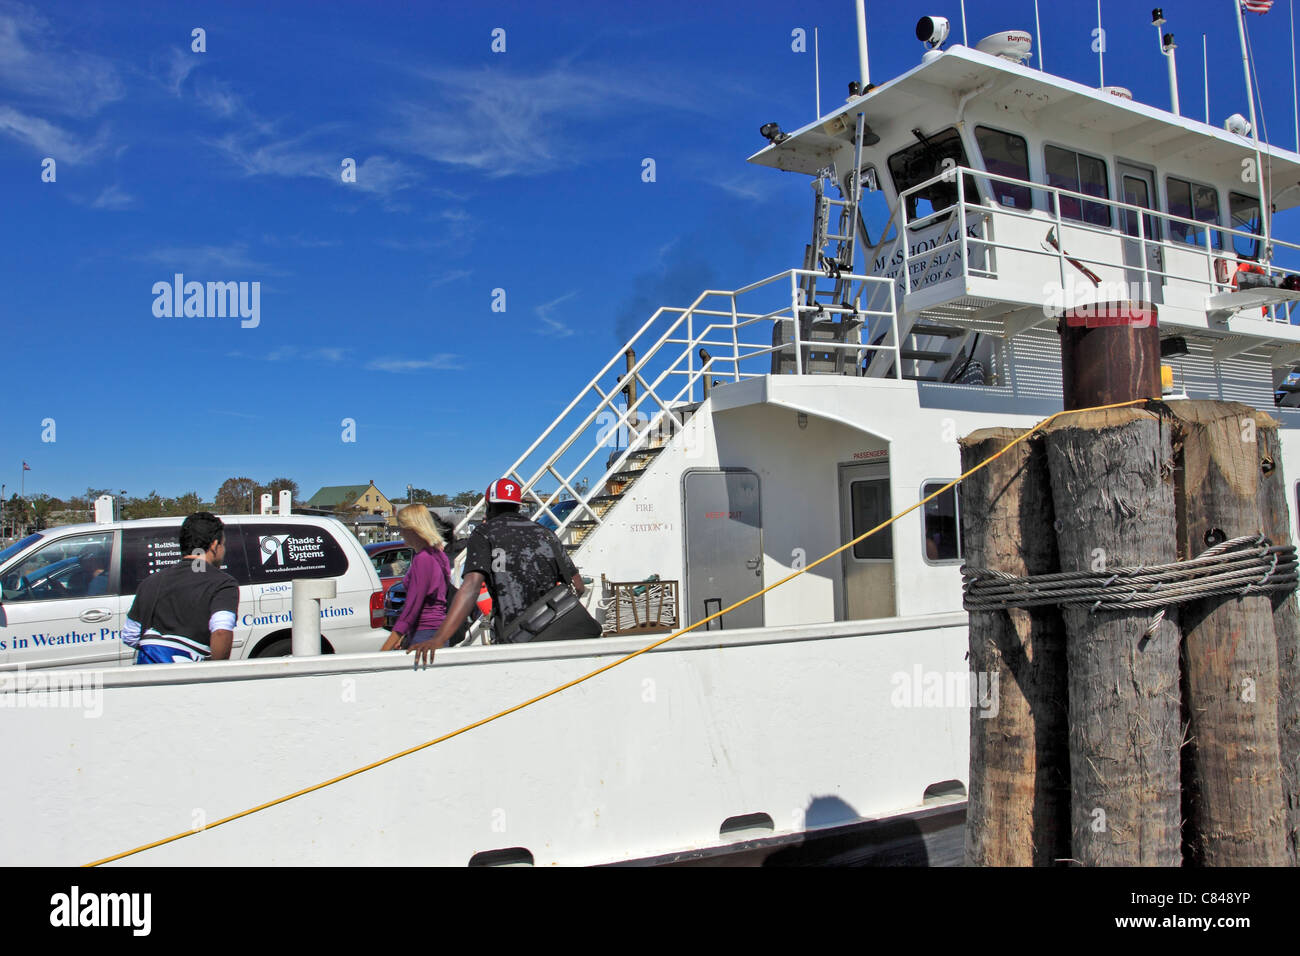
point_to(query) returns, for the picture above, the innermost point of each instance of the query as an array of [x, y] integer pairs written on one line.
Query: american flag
[[1257, 6], [26, 467]]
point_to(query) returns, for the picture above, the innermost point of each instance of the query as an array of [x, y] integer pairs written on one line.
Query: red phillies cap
[[505, 490]]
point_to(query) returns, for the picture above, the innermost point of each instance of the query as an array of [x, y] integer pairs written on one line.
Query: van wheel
[[281, 648]]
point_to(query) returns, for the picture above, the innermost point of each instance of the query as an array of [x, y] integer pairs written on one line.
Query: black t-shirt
[[179, 601], [521, 561]]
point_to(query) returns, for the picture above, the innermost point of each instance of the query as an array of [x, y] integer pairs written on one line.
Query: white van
[[56, 610]]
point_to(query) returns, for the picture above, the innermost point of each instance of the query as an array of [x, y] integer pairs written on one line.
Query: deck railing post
[[794, 312]]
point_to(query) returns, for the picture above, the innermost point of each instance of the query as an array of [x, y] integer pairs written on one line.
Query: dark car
[[391, 559]]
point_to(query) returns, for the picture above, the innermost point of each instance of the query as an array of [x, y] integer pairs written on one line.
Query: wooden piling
[[1233, 813], [1275, 523], [1018, 805], [1114, 506]]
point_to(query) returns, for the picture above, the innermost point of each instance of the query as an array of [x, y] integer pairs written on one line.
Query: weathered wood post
[[1275, 522], [1018, 806], [1231, 769], [1114, 504]]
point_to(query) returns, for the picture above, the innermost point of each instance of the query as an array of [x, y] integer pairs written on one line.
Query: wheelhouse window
[[942, 525], [1079, 173], [1137, 192], [1189, 200], [923, 161], [1005, 154], [1245, 216]]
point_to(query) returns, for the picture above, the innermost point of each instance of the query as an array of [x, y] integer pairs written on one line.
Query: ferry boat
[[959, 208]]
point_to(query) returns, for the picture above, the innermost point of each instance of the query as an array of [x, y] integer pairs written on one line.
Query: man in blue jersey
[[186, 612]]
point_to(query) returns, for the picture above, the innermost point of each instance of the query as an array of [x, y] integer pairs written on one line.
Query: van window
[[282, 552], [870, 500], [1005, 154], [73, 567], [941, 524], [146, 550], [1245, 215], [19, 546], [1193, 201], [925, 160], [1079, 173]]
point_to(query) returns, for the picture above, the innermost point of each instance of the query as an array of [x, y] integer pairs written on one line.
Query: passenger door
[[724, 547], [61, 604], [868, 566], [1137, 187]]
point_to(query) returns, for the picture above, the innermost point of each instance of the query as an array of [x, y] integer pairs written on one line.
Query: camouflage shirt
[[521, 561]]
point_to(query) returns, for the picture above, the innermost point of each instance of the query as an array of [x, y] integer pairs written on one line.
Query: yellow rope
[[622, 660]]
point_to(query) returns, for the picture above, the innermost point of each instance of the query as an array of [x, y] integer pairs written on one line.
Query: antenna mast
[[817, 72], [1101, 48], [1205, 74], [1240, 13], [1295, 102], [1167, 47], [863, 67], [1038, 34]]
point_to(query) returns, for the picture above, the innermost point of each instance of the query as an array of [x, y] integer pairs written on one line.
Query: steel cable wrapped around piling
[[1239, 566]]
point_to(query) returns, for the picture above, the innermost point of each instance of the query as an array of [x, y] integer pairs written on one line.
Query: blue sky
[[476, 170]]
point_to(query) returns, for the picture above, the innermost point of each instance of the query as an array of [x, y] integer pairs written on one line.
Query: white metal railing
[[963, 210], [644, 400]]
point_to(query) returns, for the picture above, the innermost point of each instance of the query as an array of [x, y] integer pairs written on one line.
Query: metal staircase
[[640, 400]]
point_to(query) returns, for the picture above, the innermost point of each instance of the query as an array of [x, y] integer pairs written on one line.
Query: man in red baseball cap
[[533, 581]]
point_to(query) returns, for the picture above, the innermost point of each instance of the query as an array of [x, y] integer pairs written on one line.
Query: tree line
[[234, 496]]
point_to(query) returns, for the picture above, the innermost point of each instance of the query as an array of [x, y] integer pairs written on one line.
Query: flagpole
[[1254, 130]]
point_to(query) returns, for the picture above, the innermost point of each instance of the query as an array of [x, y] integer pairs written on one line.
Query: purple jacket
[[426, 592]]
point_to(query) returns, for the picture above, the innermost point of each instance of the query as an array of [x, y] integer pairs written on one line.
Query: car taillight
[[377, 608]]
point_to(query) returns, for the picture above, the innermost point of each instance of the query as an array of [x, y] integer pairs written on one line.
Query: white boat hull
[[806, 724]]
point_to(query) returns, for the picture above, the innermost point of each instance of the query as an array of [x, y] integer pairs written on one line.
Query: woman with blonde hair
[[427, 582]]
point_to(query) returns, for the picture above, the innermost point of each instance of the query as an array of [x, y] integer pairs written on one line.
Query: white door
[[869, 565], [61, 605], [724, 547], [1137, 187]]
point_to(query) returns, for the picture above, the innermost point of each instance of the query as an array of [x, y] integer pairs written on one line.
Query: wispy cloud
[[501, 123], [455, 275], [234, 257], [177, 65], [554, 326], [218, 98], [440, 361], [299, 241], [50, 140], [293, 353], [113, 197], [37, 67]]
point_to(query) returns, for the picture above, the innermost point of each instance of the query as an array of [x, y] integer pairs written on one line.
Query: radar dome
[[1014, 45]]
